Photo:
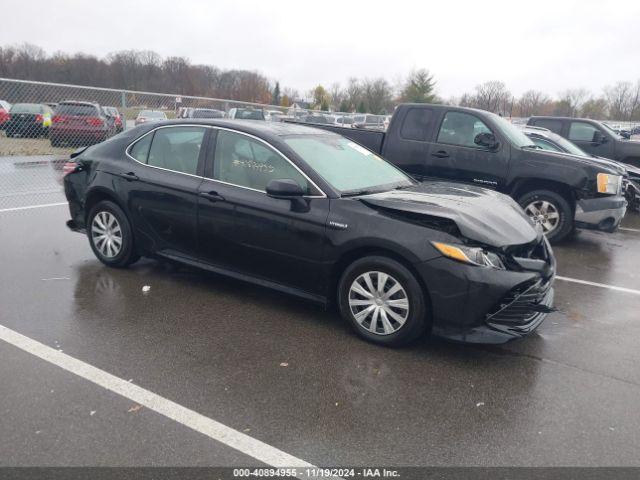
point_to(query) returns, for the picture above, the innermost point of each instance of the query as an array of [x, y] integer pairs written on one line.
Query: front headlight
[[471, 255], [609, 184]]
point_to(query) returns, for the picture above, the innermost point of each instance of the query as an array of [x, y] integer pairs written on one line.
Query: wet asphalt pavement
[[292, 375]]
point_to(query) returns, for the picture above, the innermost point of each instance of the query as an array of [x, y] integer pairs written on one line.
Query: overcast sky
[[546, 45]]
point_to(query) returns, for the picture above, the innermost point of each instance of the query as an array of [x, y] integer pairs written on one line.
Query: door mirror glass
[[598, 137], [284, 188], [486, 140]]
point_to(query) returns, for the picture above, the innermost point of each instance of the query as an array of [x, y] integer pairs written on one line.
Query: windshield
[[345, 165], [612, 131], [512, 132], [207, 114]]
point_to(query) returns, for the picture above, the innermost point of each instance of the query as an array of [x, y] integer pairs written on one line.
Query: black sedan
[[311, 213], [28, 120]]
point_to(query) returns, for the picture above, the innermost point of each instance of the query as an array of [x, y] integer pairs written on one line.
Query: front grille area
[[523, 308]]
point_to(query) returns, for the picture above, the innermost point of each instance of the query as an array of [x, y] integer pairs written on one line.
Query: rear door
[[162, 187]]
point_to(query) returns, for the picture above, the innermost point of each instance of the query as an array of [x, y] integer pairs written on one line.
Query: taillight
[[39, 118], [69, 167], [57, 119], [95, 121], [118, 121]]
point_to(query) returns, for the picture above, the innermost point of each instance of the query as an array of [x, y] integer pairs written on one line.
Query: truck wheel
[[383, 301], [550, 210]]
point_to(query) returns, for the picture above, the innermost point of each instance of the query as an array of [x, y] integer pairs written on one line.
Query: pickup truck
[[559, 191], [593, 137]]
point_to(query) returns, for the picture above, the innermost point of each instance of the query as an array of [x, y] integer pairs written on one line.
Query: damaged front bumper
[[474, 304], [601, 213]]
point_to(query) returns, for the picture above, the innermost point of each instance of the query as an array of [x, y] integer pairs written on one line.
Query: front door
[[585, 135], [455, 155], [244, 229]]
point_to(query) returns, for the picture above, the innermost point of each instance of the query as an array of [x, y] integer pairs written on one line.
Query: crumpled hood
[[483, 215]]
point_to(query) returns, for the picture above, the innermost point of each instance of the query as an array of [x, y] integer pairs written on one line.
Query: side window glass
[[176, 148], [545, 145], [416, 124], [582, 131], [461, 129], [140, 149], [241, 160]]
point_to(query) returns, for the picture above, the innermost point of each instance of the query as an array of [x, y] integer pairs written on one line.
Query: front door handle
[[212, 196], [440, 154], [129, 176]]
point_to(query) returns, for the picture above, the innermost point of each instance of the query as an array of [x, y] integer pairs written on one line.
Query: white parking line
[[29, 207], [629, 229], [204, 425], [600, 285]]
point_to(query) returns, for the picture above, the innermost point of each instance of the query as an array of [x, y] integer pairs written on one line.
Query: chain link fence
[[42, 123]]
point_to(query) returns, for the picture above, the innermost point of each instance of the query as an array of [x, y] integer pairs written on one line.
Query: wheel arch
[[523, 186], [356, 253], [98, 194]]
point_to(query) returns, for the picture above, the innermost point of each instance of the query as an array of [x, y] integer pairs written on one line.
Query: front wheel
[[110, 235], [383, 301], [551, 211]]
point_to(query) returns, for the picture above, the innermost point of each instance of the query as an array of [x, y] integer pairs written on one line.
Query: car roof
[[260, 129]]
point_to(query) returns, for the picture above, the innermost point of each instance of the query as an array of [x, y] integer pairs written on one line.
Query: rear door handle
[[129, 176], [212, 196], [440, 154]]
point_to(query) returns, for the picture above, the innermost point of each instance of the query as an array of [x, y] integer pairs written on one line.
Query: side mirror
[[626, 135], [288, 189], [486, 140], [598, 137], [284, 188]]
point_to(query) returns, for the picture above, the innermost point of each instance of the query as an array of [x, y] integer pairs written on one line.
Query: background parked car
[[79, 123], [593, 137], [547, 140], [150, 116], [118, 118], [28, 120], [369, 121], [4, 113], [275, 115], [344, 121], [246, 114], [205, 113]]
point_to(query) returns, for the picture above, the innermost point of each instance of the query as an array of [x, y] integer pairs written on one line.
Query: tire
[[415, 315], [540, 205], [54, 142], [109, 218]]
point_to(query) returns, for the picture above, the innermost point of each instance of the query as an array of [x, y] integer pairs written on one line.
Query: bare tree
[[492, 96], [620, 99], [571, 101], [532, 102]]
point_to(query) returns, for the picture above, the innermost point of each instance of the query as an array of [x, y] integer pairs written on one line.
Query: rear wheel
[[551, 211], [110, 235], [383, 301]]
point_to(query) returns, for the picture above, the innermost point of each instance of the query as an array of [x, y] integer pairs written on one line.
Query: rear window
[[207, 114], [416, 124], [26, 108], [77, 110], [553, 125], [249, 114]]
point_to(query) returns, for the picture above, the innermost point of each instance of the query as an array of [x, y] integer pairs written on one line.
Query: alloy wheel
[[106, 234], [545, 213], [378, 302]]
